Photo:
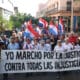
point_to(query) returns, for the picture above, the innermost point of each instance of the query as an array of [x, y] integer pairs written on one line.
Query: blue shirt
[[14, 46]]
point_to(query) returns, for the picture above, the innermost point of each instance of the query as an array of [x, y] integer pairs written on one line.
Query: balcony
[[76, 9], [62, 9], [51, 11]]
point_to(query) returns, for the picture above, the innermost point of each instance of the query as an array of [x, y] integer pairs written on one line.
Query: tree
[[16, 20], [5, 24], [1, 21], [20, 18]]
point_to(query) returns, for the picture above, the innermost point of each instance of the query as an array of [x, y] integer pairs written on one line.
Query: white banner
[[22, 61]]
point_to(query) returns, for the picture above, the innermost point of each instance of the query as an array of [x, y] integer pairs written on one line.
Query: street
[[71, 75]]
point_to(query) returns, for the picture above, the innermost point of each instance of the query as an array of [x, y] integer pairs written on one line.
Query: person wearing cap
[[59, 47]]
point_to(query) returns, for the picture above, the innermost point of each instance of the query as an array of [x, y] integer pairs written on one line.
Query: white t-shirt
[[77, 46], [68, 46], [48, 47], [43, 48], [59, 48], [36, 47]]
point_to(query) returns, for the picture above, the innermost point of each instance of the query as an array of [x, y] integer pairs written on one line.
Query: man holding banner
[[59, 47]]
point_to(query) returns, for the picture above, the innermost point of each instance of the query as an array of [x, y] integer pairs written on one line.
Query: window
[[68, 5]]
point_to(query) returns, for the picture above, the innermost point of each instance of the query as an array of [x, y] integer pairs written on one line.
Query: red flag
[[52, 23], [43, 22], [53, 28], [32, 31]]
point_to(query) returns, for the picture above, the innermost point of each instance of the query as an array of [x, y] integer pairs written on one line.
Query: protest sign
[[20, 61], [25, 61]]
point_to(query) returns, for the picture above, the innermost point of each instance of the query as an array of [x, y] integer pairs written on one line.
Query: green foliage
[[15, 20], [10, 25], [1, 18], [20, 18], [5, 24]]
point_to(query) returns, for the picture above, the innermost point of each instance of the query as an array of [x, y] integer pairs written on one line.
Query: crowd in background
[[17, 41], [51, 38]]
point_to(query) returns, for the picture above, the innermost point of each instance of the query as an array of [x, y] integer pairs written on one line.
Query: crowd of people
[[46, 42]]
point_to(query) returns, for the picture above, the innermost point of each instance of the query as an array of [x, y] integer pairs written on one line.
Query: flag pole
[[72, 16]]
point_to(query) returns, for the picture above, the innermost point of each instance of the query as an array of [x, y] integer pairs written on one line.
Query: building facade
[[6, 9], [62, 8], [41, 10]]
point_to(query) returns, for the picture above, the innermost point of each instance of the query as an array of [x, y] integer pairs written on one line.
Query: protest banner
[[66, 61], [25, 61], [21, 61]]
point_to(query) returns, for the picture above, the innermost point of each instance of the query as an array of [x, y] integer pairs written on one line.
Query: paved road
[[73, 75]]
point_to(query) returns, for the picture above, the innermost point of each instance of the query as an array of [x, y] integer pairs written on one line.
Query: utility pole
[[72, 14]]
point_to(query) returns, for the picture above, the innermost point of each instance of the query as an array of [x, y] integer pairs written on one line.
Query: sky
[[28, 6]]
